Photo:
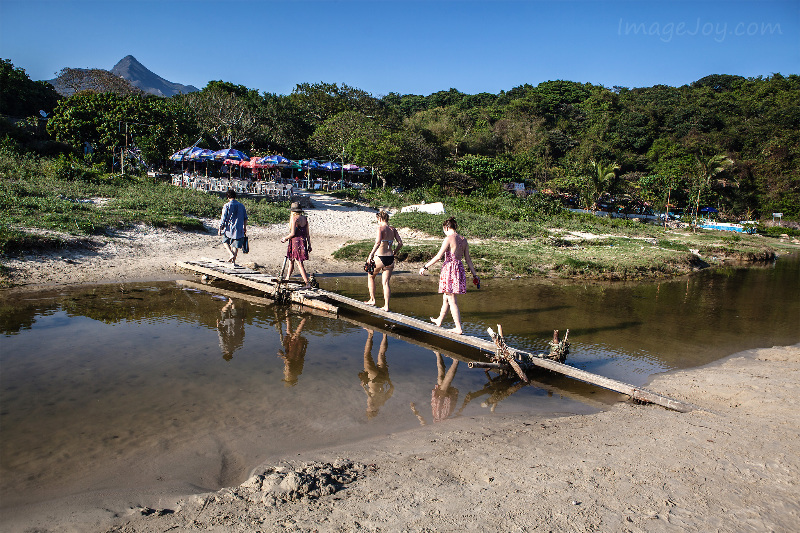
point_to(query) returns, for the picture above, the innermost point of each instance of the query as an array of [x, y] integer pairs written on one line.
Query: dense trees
[[725, 141], [20, 96]]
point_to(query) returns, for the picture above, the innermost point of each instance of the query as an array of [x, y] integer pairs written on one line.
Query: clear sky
[[408, 46]]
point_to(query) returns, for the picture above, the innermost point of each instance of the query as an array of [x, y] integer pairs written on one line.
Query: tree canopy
[[644, 143]]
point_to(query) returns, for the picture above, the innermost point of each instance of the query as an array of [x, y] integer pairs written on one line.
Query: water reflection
[[444, 395], [230, 328], [111, 383], [375, 376], [294, 349]]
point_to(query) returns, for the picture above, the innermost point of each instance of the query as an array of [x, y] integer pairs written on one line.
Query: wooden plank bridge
[[277, 289]]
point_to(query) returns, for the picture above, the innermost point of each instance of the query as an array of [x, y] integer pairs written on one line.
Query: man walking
[[233, 225]]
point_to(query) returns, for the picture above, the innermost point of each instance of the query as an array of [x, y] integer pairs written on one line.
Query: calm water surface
[[166, 387]]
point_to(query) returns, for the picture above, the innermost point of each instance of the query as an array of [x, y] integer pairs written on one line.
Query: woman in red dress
[[299, 242], [453, 279]]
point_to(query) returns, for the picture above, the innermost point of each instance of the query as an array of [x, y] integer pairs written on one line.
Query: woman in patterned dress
[[453, 279], [299, 242]]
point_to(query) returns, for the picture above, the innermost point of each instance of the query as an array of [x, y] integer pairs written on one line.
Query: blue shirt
[[232, 220]]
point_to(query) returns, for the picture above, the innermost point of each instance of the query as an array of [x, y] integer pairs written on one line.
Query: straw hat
[[296, 207]]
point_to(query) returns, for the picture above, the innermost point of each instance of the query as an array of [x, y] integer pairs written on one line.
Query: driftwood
[[503, 353]]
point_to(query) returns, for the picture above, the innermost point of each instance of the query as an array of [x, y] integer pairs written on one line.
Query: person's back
[[456, 246]]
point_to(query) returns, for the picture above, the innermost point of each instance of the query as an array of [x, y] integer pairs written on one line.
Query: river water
[[163, 388]]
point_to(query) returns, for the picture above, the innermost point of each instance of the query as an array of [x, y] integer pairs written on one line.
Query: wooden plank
[[224, 292], [637, 393], [303, 297]]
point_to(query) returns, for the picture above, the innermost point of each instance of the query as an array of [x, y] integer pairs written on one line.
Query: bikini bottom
[[387, 260]]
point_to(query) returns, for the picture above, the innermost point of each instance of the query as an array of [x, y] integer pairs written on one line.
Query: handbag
[[369, 267], [245, 245]]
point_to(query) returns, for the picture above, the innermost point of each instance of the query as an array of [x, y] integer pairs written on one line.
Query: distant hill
[[141, 77], [127, 68]]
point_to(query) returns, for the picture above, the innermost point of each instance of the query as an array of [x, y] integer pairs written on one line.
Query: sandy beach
[[732, 464]]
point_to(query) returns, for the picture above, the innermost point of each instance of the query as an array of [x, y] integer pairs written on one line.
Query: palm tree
[[603, 180], [708, 169]]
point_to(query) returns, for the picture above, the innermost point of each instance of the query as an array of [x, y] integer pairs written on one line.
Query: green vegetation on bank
[[64, 195], [508, 238]]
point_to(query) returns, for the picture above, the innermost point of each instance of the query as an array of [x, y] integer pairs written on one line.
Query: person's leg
[[302, 269], [371, 287], [440, 369], [448, 378], [387, 291], [231, 255], [234, 253], [455, 312], [445, 305], [291, 269]]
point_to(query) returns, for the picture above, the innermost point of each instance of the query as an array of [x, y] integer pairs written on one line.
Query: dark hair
[[450, 223], [383, 215], [231, 193]]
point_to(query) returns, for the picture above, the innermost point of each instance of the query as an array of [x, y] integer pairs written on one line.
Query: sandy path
[[146, 253]]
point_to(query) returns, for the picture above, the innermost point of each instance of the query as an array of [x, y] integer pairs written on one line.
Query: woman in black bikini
[[384, 256]]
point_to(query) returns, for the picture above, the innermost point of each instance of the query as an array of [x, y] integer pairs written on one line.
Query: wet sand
[[731, 465]]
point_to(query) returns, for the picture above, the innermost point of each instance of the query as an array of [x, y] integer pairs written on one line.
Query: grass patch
[[61, 195]]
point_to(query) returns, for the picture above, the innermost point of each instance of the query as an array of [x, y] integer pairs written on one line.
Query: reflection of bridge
[[278, 289]]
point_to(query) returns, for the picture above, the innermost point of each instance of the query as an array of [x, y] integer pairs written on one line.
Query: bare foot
[[370, 302], [385, 307], [457, 331], [436, 321]]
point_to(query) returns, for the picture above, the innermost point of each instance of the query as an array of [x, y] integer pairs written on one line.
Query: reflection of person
[[443, 396], [294, 351], [233, 225], [382, 251], [375, 377], [299, 242], [453, 279], [230, 329]]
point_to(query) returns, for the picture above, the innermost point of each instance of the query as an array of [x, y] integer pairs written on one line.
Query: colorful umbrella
[[309, 164], [331, 166], [231, 153], [200, 155], [275, 161], [351, 167], [185, 153]]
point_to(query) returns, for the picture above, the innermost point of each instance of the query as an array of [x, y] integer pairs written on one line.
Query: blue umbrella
[[309, 164], [201, 155], [330, 165], [275, 160], [185, 153], [709, 210], [231, 153]]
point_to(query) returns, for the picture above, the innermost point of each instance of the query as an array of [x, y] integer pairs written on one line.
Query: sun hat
[[296, 207]]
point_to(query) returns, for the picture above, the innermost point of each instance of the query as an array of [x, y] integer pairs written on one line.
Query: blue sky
[[402, 46]]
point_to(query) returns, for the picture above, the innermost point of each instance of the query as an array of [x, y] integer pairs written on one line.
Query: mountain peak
[[140, 76]]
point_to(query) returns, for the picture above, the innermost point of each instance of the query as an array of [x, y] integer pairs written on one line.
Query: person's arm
[[222, 219], [399, 241], [291, 230], [445, 245], [375, 246], [469, 260]]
